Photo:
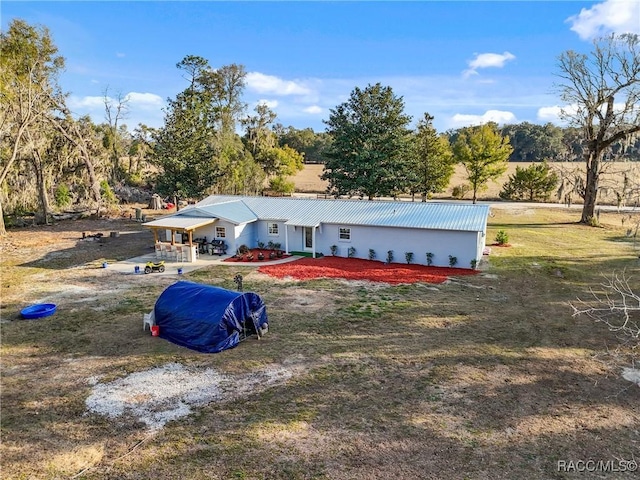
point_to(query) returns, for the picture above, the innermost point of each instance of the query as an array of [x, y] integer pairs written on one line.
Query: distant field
[[308, 180]]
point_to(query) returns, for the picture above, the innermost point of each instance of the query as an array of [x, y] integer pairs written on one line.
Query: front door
[[308, 238]]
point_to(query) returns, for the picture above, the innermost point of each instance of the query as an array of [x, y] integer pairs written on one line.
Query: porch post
[[313, 242], [173, 237], [286, 239], [155, 235], [191, 238]]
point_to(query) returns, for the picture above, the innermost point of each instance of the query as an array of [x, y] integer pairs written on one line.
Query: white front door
[[308, 239]]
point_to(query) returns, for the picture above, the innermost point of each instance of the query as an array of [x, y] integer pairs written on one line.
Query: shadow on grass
[[482, 377]]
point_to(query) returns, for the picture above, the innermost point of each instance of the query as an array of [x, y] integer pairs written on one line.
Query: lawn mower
[[151, 267]]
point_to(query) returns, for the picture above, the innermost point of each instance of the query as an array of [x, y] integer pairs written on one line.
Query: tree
[[262, 142], [618, 307], [29, 67], [484, 154], [185, 147], [432, 164], [370, 142], [115, 110], [602, 93], [309, 143], [537, 181], [532, 143]]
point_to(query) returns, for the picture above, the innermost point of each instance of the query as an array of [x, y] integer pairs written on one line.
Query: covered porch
[[178, 249], [309, 229]]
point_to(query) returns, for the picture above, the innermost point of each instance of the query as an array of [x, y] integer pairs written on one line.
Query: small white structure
[[356, 226]]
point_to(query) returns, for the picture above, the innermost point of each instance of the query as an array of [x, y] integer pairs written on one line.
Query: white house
[[314, 226]]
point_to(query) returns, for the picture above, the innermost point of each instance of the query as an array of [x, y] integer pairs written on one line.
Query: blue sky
[[463, 62]]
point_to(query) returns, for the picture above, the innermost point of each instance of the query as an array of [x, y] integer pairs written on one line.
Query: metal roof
[[179, 222], [305, 211]]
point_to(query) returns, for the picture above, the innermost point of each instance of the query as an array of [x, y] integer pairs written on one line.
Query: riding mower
[[151, 267]]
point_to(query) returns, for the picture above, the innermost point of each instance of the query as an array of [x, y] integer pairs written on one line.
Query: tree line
[[209, 143]]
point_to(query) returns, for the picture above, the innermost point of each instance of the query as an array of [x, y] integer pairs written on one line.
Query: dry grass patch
[[489, 377]]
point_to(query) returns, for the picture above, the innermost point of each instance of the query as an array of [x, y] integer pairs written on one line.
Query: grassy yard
[[484, 377]]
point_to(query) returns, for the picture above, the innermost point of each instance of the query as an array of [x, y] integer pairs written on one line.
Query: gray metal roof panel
[[236, 212], [439, 216]]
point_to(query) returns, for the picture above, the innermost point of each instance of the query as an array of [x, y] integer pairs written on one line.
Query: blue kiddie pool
[[39, 310]]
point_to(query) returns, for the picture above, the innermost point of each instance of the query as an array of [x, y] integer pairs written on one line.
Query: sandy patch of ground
[[183, 388]]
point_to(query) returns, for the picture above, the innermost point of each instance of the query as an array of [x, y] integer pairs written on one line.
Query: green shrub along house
[[352, 227]]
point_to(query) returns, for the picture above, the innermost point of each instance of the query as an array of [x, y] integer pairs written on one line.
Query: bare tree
[[618, 307], [115, 109], [602, 93]]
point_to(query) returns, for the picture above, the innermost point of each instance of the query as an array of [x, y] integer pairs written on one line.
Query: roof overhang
[[180, 222], [302, 223]]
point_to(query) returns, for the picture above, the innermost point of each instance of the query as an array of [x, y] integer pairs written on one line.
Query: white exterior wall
[[262, 233], [442, 243], [244, 235], [209, 231]]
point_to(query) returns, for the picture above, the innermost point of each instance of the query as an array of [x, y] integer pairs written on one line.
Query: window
[[345, 233], [221, 232], [273, 228]]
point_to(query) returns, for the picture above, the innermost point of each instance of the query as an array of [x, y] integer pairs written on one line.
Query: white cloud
[[269, 103], [498, 116], [262, 83], [488, 60], [313, 109], [557, 113], [120, 55], [86, 103], [144, 100], [619, 16]]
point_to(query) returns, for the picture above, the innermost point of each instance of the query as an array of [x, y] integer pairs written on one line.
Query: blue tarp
[[206, 318]]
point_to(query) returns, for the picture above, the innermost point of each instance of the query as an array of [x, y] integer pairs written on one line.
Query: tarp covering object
[[206, 318]]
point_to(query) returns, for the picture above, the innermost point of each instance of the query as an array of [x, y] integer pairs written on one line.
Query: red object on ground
[[360, 269], [155, 330]]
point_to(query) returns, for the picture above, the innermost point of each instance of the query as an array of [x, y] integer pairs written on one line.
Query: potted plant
[[334, 250], [260, 256]]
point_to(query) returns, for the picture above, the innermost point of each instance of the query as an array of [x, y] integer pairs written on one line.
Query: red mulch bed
[[359, 269]]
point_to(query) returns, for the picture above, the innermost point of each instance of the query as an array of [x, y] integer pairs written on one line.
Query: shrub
[[429, 258], [502, 238], [389, 256], [459, 191], [372, 254], [282, 185], [408, 256], [452, 260], [243, 249], [260, 245], [537, 181], [474, 264], [106, 193], [351, 252], [334, 250], [271, 245], [62, 196]]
